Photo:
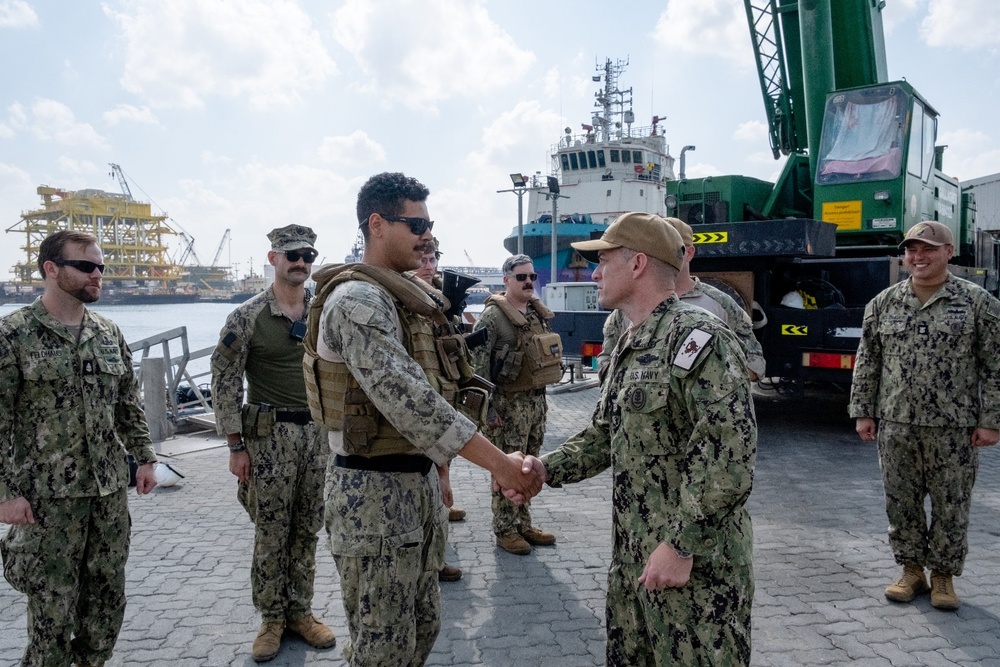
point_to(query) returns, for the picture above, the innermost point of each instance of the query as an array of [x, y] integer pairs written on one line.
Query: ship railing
[[176, 369]]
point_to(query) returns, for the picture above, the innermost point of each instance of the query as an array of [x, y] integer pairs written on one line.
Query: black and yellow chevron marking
[[710, 237], [794, 330]]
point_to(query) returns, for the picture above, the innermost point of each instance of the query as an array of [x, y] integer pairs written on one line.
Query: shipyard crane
[[222, 244], [116, 171]]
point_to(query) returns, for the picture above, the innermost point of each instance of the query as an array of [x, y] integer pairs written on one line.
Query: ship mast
[[612, 103]]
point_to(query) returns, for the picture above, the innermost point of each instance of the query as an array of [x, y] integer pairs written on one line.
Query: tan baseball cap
[[643, 232], [684, 229], [929, 232]]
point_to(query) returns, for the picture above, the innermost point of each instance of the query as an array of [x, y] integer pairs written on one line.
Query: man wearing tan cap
[[927, 370], [696, 293], [676, 423]]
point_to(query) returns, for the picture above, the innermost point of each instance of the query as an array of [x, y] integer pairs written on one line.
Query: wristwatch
[[237, 446]]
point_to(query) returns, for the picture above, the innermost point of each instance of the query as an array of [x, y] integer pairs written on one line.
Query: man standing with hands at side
[[276, 451], [69, 410], [927, 389], [675, 423]]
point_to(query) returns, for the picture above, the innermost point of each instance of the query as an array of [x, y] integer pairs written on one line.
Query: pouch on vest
[[544, 357], [360, 423], [508, 365], [474, 399], [451, 349]]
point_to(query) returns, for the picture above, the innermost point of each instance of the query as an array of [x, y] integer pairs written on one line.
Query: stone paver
[[821, 562]]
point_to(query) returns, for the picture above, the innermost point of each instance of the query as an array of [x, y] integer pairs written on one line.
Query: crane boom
[[222, 244], [116, 171]]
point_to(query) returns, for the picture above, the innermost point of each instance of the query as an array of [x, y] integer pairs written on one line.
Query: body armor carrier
[[537, 360], [336, 399]]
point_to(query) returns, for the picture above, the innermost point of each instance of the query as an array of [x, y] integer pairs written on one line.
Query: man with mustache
[[521, 358], [69, 410], [276, 451]]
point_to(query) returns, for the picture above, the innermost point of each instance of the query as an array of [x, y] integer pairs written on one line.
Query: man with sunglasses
[[69, 401], [517, 325], [275, 450], [385, 374]]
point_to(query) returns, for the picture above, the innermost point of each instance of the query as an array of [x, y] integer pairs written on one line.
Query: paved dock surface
[[821, 562]]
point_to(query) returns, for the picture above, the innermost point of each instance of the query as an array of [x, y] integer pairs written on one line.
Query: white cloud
[[966, 24], [706, 28], [126, 113], [355, 149], [421, 54], [6, 132], [17, 14], [179, 52], [48, 120], [970, 153], [751, 130], [74, 169], [899, 11]]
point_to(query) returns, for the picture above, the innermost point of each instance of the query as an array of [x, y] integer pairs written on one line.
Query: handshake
[[521, 479]]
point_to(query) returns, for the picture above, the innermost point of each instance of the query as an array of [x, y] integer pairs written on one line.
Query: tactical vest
[[336, 399], [537, 360]]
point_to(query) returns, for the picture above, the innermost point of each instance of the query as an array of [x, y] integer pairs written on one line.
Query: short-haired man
[[927, 388], [384, 373], [275, 450], [695, 292], [517, 322], [675, 422], [69, 411]]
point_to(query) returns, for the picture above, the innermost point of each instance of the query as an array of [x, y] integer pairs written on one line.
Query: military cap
[[684, 229], [643, 232], [929, 232], [292, 237]]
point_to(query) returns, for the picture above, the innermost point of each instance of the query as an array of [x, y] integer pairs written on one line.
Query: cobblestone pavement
[[821, 561]]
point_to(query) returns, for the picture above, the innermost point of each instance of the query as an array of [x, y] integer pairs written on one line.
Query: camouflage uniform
[[676, 424], [523, 412], [288, 453], [69, 410], [386, 529], [929, 375], [714, 301]]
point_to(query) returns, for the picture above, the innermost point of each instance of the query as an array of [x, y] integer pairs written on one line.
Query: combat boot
[[449, 573], [538, 537], [268, 641], [943, 594], [313, 632], [514, 544], [455, 514], [912, 583]]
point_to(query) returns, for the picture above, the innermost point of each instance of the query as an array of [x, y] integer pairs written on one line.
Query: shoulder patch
[[361, 313], [691, 348]]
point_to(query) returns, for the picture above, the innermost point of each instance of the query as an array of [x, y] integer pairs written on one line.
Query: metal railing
[[175, 369]]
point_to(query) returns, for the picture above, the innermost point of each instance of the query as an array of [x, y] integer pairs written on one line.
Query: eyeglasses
[[81, 265], [417, 225], [307, 256], [521, 277]]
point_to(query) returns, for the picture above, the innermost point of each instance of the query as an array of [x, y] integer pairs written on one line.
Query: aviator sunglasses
[[521, 277], [308, 256], [82, 265], [417, 225]]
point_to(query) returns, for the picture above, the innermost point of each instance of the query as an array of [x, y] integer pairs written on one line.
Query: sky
[[252, 114]]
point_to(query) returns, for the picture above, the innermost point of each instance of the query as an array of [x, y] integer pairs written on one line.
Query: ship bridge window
[[565, 162], [614, 155], [592, 159], [600, 159], [637, 157], [583, 159], [572, 160], [626, 157]]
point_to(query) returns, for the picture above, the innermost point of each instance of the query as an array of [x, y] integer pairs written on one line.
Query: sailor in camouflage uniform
[[694, 292], [384, 373], [676, 425], [276, 451], [928, 373], [69, 411], [518, 405]]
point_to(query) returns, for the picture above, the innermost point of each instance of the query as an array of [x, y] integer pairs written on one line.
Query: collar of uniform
[[48, 320], [645, 336], [949, 290]]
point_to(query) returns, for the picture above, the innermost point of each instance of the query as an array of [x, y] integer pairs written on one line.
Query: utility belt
[[300, 417], [386, 463], [259, 418]]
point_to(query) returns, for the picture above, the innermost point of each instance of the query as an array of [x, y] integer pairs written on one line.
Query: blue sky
[[252, 114]]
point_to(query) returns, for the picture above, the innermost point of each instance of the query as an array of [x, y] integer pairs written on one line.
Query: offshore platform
[[139, 268]]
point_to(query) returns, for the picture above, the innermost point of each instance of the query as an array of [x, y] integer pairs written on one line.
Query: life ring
[[639, 168]]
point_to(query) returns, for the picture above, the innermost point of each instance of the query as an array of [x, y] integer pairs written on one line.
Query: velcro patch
[[362, 313], [691, 348]]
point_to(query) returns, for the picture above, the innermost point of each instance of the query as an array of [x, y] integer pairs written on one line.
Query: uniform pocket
[[20, 549]]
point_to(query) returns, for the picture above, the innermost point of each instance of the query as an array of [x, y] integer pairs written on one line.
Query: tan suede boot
[[313, 632], [514, 544], [912, 583], [455, 514], [538, 537], [449, 573], [943, 594], [268, 641]]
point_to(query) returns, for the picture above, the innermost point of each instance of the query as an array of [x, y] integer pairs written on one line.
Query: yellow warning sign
[[794, 330], [710, 237], [844, 214]]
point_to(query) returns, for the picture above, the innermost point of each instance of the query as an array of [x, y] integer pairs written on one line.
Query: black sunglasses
[[80, 265], [308, 256], [417, 225], [521, 277]]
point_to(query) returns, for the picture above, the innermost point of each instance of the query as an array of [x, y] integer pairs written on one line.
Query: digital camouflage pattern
[[929, 374], [69, 411], [676, 425], [386, 530], [284, 495]]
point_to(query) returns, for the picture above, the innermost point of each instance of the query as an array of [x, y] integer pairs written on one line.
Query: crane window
[[863, 135]]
